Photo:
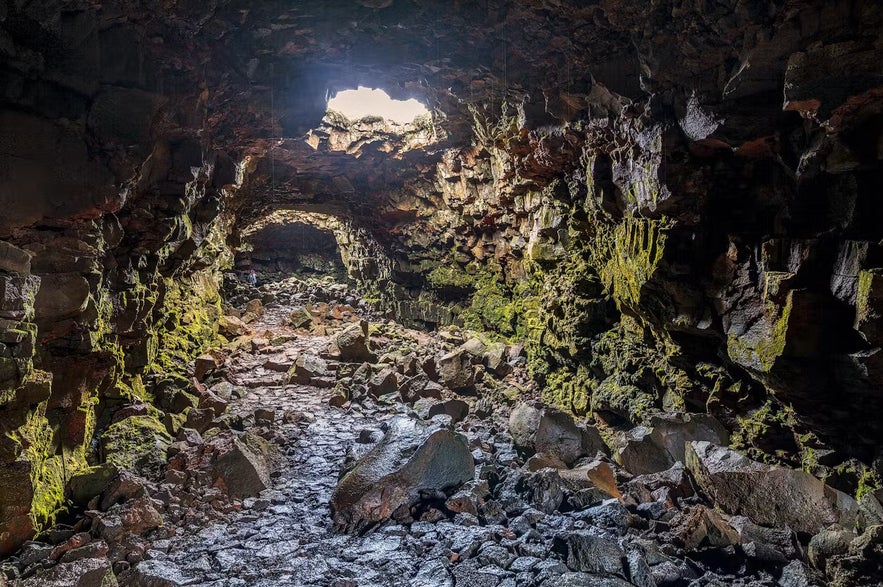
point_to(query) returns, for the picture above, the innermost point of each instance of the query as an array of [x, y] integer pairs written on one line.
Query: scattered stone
[[352, 344], [242, 464], [300, 318], [455, 370]]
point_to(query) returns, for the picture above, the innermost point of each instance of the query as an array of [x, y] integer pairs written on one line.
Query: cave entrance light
[[366, 102]]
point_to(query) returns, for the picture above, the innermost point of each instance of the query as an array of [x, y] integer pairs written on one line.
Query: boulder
[[537, 429], [413, 457], [457, 409], [644, 450], [455, 370], [203, 365], [242, 464], [300, 318], [86, 484], [767, 494], [86, 572], [14, 259], [590, 553], [353, 345], [384, 382], [231, 327], [307, 368]]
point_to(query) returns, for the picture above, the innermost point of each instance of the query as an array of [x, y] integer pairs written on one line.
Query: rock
[[85, 485], [593, 554], [827, 544], [307, 369], [455, 408], [138, 443], [264, 416], [767, 494], [200, 419], [155, 573], [352, 344], [232, 327], [203, 365], [61, 295], [433, 573], [255, 307], [496, 359], [210, 400], [14, 259], [597, 473], [86, 572], [672, 432], [668, 484], [455, 370], [412, 457], [469, 499], [242, 464], [702, 527], [384, 382], [123, 487], [545, 489], [551, 431], [644, 450], [300, 318], [796, 574], [610, 515]]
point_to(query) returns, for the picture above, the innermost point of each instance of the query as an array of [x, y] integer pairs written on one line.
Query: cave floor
[[284, 537]]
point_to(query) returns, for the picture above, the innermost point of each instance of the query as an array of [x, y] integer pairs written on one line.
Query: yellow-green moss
[[136, 442], [627, 254]]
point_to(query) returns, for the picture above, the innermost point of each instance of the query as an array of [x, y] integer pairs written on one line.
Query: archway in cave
[[292, 244]]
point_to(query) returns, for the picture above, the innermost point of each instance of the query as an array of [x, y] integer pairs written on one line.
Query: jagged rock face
[[675, 209]]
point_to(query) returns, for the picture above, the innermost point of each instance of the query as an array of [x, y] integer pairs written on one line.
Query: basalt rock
[[768, 495], [412, 458], [551, 431]]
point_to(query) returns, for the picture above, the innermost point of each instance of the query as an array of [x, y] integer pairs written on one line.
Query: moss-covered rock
[[137, 443]]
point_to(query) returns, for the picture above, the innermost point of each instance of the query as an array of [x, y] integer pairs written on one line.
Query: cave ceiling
[[249, 80]]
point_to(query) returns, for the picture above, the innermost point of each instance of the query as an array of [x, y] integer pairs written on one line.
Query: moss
[[766, 433], [868, 482], [136, 443], [761, 347], [627, 254]]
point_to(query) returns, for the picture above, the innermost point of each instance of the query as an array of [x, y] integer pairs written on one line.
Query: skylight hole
[[366, 102]]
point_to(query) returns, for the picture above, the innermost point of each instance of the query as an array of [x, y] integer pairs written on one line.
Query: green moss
[[627, 254], [136, 443], [760, 348], [761, 430]]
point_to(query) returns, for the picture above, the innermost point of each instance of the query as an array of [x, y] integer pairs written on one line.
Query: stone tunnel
[[564, 293]]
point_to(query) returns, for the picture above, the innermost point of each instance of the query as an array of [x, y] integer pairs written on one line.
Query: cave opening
[[364, 102], [291, 244]]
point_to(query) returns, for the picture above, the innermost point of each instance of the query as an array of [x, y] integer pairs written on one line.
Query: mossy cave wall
[[672, 207]]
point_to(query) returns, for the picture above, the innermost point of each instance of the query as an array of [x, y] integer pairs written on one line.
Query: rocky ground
[[332, 447]]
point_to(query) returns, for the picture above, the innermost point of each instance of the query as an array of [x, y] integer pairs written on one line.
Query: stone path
[[284, 537]]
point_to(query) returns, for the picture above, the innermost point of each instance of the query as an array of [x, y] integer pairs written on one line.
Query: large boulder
[[412, 457], [455, 370], [353, 345], [767, 494], [242, 464], [651, 449], [539, 429]]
